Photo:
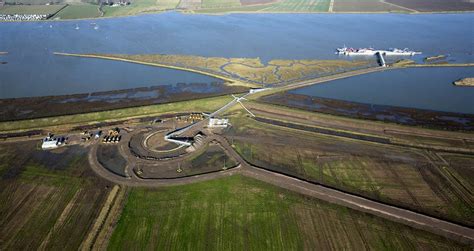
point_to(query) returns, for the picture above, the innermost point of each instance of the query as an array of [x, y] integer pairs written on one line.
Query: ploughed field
[[406, 177], [48, 199], [52, 200], [242, 213]]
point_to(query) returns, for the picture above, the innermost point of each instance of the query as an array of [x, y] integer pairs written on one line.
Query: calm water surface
[[424, 88], [33, 70]]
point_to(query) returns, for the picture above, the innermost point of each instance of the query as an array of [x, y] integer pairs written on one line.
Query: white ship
[[372, 52]]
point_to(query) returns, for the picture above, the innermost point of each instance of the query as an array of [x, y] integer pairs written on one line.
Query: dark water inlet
[[423, 88]]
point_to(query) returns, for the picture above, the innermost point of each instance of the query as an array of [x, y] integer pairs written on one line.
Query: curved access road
[[407, 217]]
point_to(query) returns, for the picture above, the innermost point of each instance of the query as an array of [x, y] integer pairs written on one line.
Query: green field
[[390, 174], [364, 6], [240, 213], [299, 6], [78, 11], [220, 3], [140, 6], [47, 199], [30, 9]]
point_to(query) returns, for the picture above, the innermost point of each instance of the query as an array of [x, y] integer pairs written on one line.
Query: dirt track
[[416, 220]]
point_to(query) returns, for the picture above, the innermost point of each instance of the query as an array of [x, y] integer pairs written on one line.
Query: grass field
[[364, 6], [47, 199], [208, 104], [78, 11], [220, 3], [395, 175], [251, 8], [299, 6], [30, 9], [239, 213], [140, 6]]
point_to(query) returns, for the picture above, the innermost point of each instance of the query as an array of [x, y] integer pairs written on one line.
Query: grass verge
[[207, 104]]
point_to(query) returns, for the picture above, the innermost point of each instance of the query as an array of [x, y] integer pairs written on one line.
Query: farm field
[[248, 8], [399, 176], [365, 6], [31, 9], [78, 11], [48, 200], [140, 6], [435, 5], [220, 3], [299, 6], [237, 213]]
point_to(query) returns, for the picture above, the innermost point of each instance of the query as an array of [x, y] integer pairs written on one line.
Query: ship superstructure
[[372, 52]]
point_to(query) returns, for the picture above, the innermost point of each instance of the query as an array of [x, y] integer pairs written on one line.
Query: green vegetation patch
[[31, 9], [365, 6], [242, 70], [299, 6], [220, 3], [250, 8], [240, 213], [79, 11], [140, 6]]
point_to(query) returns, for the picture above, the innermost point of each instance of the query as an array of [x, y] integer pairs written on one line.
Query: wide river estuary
[[31, 69]]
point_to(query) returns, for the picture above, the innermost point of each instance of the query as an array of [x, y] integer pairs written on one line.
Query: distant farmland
[[78, 11], [299, 6], [31, 9], [364, 6], [435, 5], [240, 213]]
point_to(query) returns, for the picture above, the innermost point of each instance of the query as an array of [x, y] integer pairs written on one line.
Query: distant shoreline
[[203, 12]]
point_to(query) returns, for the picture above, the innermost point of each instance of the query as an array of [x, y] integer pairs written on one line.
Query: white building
[[49, 143], [255, 90], [215, 122]]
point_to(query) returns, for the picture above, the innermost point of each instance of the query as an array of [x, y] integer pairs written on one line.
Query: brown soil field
[[400, 176], [110, 158], [392, 114], [435, 5], [47, 199], [37, 107]]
